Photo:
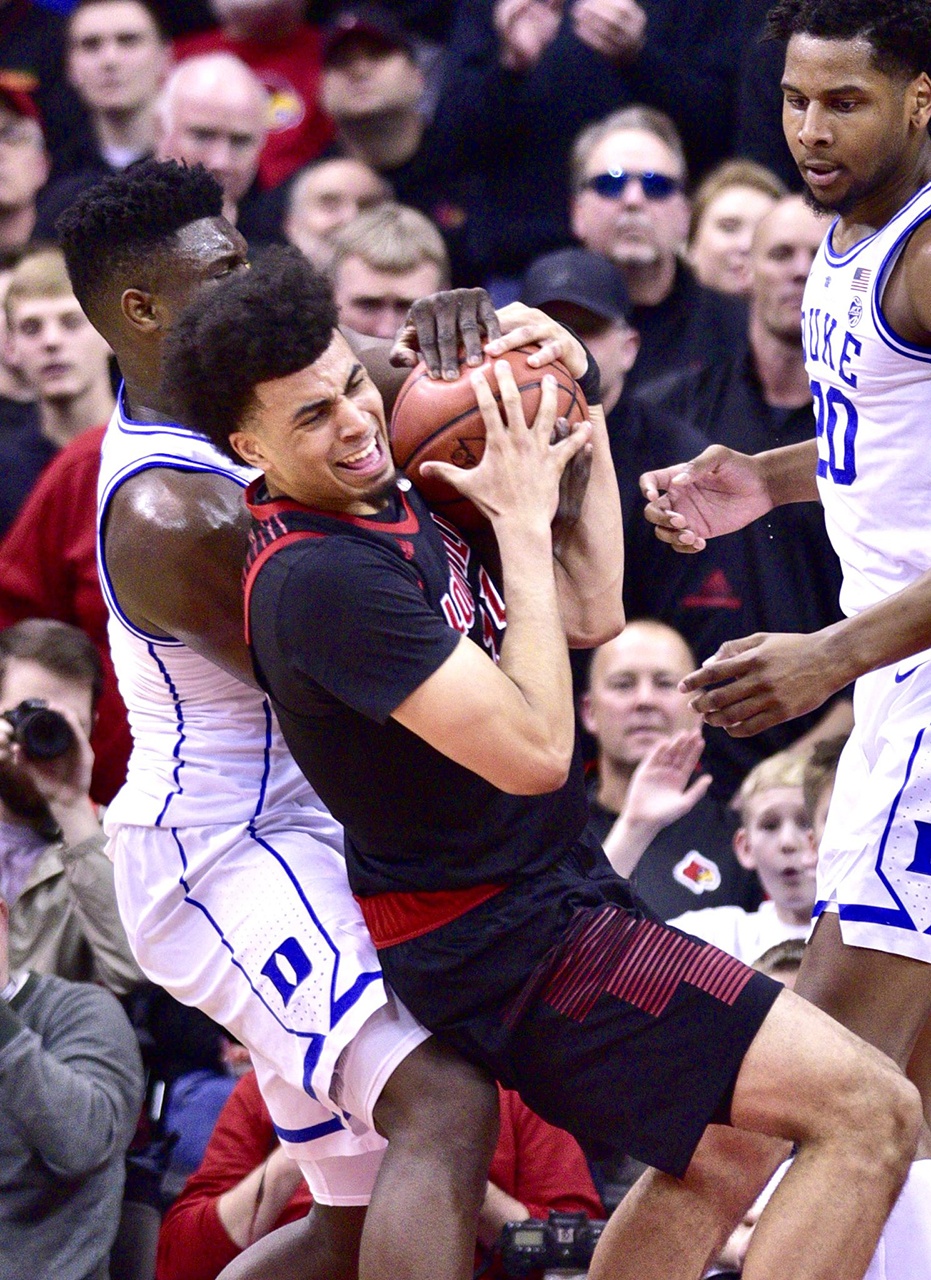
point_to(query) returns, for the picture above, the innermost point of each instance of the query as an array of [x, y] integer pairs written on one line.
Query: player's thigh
[[884, 998], [806, 1078]]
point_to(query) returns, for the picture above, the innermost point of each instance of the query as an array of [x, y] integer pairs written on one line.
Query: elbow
[[546, 771], [595, 631]]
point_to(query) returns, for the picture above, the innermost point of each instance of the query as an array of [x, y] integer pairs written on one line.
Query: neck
[[794, 916], [650, 284], [126, 130], [613, 783], [16, 226], [385, 141], [63, 420], [780, 367], [879, 206]]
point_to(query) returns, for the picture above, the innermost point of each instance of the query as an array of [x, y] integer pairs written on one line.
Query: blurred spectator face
[[56, 348], [12, 382], [636, 226], [326, 198], [720, 250], [633, 700], [365, 78], [613, 343], [783, 250], [215, 114], [24, 678], [377, 302], [776, 842], [24, 165], [116, 58]]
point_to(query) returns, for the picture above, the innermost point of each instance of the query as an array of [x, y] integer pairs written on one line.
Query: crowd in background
[[617, 163]]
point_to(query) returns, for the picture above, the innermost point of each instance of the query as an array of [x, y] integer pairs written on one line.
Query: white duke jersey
[[872, 399], [206, 748]]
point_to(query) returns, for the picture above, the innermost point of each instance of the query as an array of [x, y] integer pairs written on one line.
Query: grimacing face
[[320, 435], [630, 229]]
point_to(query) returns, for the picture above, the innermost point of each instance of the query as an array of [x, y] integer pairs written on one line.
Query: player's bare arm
[[175, 543], [589, 550], [513, 724], [722, 490]]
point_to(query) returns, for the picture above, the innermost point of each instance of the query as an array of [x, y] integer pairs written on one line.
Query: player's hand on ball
[[526, 326], [518, 477], [439, 325]]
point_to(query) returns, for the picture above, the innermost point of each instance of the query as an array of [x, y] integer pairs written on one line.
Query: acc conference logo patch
[[697, 873], [855, 314]]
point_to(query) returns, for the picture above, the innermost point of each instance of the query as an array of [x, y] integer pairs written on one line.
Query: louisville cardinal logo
[[697, 873]]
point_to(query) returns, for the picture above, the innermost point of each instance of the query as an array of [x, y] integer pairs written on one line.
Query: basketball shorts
[[256, 926], [608, 1023], [874, 864]]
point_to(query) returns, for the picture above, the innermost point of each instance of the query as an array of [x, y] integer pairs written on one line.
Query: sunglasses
[[655, 186]]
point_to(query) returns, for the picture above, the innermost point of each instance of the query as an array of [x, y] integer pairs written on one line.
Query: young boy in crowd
[[774, 839]]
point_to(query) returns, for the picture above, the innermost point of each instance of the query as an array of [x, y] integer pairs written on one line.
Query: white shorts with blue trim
[[874, 865], [255, 925]]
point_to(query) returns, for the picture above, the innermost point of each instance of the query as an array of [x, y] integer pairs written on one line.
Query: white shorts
[[874, 864], [257, 927]]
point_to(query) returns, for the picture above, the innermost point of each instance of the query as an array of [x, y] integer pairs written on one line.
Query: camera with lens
[[565, 1242], [42, 733]]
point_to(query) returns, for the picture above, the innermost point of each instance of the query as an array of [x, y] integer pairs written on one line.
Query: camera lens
[[44, 734]]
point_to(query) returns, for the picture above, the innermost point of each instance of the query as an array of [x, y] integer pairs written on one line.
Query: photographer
[[53, 869]]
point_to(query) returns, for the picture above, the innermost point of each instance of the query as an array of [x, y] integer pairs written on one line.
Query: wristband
[[590, 381]]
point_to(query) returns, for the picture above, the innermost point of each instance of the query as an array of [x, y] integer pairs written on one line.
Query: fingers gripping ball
[[440, 421]]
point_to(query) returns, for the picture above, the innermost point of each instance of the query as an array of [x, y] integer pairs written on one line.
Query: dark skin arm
[[761, 680], [188, 531]]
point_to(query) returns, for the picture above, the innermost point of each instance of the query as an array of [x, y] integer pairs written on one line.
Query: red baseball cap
[[15, 93]]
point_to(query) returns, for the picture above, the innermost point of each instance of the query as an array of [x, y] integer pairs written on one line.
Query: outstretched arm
[[722, 490]]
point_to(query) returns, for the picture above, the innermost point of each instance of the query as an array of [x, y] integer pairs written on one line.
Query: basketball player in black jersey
[[445, 745]]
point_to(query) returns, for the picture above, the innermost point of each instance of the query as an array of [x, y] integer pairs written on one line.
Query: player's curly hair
[[265, 323], [118, 226], [898, 30]]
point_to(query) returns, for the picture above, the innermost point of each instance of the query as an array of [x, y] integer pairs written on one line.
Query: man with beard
[[857, 102]]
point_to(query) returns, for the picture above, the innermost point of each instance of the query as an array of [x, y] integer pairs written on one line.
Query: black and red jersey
[[347, 616]]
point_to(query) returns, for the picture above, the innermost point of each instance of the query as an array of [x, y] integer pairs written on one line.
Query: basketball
[[435, 420]]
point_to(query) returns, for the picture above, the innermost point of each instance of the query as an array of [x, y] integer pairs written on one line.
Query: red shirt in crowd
[[539, 1165], [48, 569], [290, 70]]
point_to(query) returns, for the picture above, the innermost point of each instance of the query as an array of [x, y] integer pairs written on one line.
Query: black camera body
[[42, 733], [565, 1241]]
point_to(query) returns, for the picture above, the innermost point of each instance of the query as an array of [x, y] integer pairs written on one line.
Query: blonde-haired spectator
[[726, 210], [382, 262]]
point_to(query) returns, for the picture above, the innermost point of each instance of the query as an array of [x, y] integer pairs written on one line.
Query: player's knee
[[880, 1115], [436, 1099]]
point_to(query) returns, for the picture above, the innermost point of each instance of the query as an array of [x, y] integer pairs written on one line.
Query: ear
[[630, 343], [141, 309], [742, 850], [921, 100], [585, 714], [249, 448]]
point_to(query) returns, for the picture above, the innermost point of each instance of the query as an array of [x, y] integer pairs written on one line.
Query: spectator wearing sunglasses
[[629, 203]]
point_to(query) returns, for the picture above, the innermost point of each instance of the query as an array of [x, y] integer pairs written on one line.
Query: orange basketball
[[440, 421]]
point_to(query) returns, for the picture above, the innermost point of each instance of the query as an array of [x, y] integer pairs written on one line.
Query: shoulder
[[169, 502]]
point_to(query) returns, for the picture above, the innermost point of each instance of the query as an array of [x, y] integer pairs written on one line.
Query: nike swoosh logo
[[903, 675]]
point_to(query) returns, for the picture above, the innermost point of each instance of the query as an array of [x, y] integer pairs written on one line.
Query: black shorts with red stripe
[[609, 1024]]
